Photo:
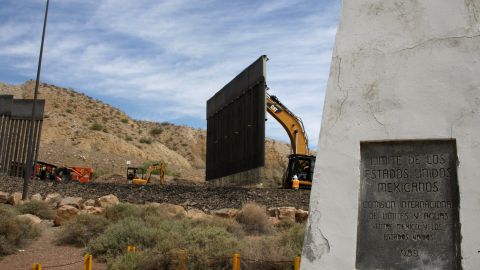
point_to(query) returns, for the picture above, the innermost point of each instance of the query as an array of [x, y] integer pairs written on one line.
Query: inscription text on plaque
[[408, 206]]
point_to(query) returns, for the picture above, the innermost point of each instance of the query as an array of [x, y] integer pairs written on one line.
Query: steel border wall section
[[236, 124], [14, 129]]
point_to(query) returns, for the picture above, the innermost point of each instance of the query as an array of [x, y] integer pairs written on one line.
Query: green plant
[[123, 210], [81, 229], [155, 131], [145, 140], [96, 126], [124, 120], [68, 111], [37, 208], [254, 219]]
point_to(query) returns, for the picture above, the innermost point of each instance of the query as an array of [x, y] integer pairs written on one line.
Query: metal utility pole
[[28, 166]]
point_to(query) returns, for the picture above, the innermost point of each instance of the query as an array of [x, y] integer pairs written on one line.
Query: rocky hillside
[[81, 131]]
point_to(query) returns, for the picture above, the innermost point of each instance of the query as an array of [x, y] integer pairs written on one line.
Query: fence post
[[36, 266], [296, 264], [182, 257], [131, 249], [87, 262], [236, 261]]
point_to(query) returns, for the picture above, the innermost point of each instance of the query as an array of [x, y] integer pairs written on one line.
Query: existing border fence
[[238, 262], [15, 118]]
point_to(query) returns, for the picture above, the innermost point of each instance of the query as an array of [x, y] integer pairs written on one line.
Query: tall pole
[[30, 142]]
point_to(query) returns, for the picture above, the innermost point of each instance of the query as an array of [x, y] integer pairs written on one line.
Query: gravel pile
[[205, 198]]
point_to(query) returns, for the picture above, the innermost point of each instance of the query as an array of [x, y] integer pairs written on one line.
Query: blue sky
[[161, 60]]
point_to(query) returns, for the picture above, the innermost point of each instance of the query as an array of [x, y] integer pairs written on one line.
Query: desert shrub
[[37, 208], [166, 123], [156, 131], [265, 252], [124, 120], [254, 219], [14, 233], [127, 261], [69, 111], [145, 140], [81, 229], [128, 231], [96, 126], [123, 210], [292, 238], [128, 138]]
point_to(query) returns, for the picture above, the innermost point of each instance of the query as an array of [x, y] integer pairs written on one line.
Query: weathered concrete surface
[[401, 69]]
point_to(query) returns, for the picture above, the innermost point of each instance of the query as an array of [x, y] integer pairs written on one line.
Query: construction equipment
[[134, 172], [47, 171], [300, 162]]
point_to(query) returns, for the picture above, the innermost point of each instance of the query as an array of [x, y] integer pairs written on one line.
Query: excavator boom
[[291, 123], [300, 162]]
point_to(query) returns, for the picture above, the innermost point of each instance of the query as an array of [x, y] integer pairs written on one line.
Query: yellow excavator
[[300, 163], [137, 176]]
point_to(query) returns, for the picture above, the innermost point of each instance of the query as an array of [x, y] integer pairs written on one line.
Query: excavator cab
[[157, 167], [302, 166], [134, 173]]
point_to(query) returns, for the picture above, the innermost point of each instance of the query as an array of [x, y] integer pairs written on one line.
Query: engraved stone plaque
[[408, 206]]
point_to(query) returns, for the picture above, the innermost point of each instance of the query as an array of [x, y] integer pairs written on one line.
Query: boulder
[[64, 214], [107, 201], [282, 213], [88, 202], [301, 216], [287, 213], [94, 210], [168, 208], [15, 198], [36, 197], [196, 214], [53, 199], [272, 212], [73, 201], [4, 197], [29, 219], [225, 212]]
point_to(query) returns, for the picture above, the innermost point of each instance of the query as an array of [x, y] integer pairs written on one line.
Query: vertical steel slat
[[23, 149], [12, 141], [37, 138], [6, 146]]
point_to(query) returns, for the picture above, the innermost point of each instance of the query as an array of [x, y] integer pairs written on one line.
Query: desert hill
[[81, 131]]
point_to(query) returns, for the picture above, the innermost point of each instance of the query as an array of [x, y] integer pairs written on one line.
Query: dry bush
[[37, 208], [14, 233], [81, 229], [123, 210], [254, 219]]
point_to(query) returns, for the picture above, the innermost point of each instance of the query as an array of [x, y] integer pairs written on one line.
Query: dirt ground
[[202, 197], [44, 251]]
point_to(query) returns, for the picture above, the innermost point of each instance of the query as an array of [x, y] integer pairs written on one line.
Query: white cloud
[[176, 54]]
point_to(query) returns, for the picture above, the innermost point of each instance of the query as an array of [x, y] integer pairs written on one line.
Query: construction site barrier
[[182, 261]]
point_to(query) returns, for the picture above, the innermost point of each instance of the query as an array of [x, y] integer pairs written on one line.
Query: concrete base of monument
[[245, 178], [401, 71]]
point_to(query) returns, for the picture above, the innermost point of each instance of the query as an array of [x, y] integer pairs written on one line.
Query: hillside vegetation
[[81, 131]]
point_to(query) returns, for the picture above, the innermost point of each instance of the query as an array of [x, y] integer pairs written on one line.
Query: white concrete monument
[[397, 178]]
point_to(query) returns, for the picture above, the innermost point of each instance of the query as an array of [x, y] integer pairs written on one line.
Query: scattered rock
[[73, 201], [226, 212], [301, 216], [36, 197], [287, 213], [64, 214], [3, 197], [53, 199], [273, 220], [88, 202], [29, 219], [197, 214], [92, 210], [107, 201], [272, 212], [15, 198]]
